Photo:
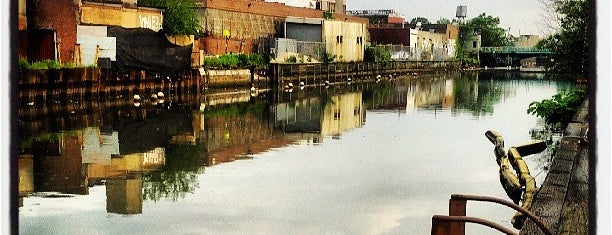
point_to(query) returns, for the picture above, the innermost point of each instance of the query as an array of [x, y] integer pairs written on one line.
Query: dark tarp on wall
[[148, 50]]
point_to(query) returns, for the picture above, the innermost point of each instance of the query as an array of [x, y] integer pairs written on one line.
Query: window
[[474, 44], [339, 39], [336, 114]]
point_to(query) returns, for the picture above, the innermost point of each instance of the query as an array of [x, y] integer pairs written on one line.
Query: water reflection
[[158, 152], [325, 115]]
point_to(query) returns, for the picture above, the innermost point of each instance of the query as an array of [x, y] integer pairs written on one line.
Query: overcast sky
[[518, 15]]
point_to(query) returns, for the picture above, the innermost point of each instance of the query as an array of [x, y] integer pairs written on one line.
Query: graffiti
[[153, 22]]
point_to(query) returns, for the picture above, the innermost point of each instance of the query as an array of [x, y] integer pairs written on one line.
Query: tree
[[423, 20], [488, 26], [180, 16], [570, 44], [443, 21]]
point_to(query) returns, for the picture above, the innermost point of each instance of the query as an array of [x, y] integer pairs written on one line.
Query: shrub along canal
[[361, 158]]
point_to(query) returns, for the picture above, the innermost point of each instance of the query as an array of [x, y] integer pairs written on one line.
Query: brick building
[[55, 26], [245, 26], [79, 31]]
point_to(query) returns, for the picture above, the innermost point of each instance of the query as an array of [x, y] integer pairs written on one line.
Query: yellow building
[[344, 113], [141, 17], [124, 195], [26, 175], [345, 39], [526, 40]]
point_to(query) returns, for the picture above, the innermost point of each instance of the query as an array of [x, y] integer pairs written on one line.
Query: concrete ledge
[[562, 201]]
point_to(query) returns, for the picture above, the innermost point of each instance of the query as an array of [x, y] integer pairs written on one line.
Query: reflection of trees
[[178, 178], [477, 96], [378, 96], [237, 109]]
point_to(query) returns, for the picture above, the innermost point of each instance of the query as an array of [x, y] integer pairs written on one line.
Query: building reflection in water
[[154, 152], [316, 117], [124, 194]]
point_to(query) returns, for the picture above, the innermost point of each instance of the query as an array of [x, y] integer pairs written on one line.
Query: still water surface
[[377, 158]]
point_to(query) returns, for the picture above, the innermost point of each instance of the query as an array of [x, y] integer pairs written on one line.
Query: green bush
[[24, 64], [235, 61], [39, 65], [47, 64], [50, 64], [560, 109], [257, 60], [53, 64], [69, 65], [291, 59], [377, 54]]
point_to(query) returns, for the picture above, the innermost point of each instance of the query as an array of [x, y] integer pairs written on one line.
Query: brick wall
[[61, 16], [248, 21], [217, 46], [395, 36], [261, 8]]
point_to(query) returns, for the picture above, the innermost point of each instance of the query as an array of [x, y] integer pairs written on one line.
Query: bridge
[[510, 56]]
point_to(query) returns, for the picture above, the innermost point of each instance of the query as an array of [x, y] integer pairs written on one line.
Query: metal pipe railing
[[458, 203], [441, 225]]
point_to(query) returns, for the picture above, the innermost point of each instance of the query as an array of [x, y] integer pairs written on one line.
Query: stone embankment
[[562, 201]]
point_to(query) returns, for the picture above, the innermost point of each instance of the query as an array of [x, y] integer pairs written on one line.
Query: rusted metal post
[[439, 226], [518, 208], [457, 208]]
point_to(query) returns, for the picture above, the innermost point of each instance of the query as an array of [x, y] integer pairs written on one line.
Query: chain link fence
[[284, 49], [401, 52]]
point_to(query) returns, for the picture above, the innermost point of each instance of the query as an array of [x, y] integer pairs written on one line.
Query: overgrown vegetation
[[236, 61], [570, 44], [328, 15], [560, 109], [466, 59], [327, 57], [490, 33], [180, 16], [49, 64], [488, 27], [377, 54], [420, 19], [291, 59]]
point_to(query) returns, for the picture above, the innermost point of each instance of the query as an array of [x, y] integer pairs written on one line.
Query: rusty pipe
[[507, 203], [437, 219]]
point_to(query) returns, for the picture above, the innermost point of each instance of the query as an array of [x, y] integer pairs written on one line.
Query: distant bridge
[[509, 56], [518, 50]]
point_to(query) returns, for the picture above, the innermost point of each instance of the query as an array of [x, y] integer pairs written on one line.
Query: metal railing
[[513, 49], [454, 224]]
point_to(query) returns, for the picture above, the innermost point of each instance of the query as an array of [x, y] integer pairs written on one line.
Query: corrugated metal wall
[[346, 40]]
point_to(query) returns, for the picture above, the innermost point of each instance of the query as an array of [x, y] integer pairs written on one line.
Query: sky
[[521, 16]]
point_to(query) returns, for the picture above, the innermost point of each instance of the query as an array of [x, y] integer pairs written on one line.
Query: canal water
[[362, 158]]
